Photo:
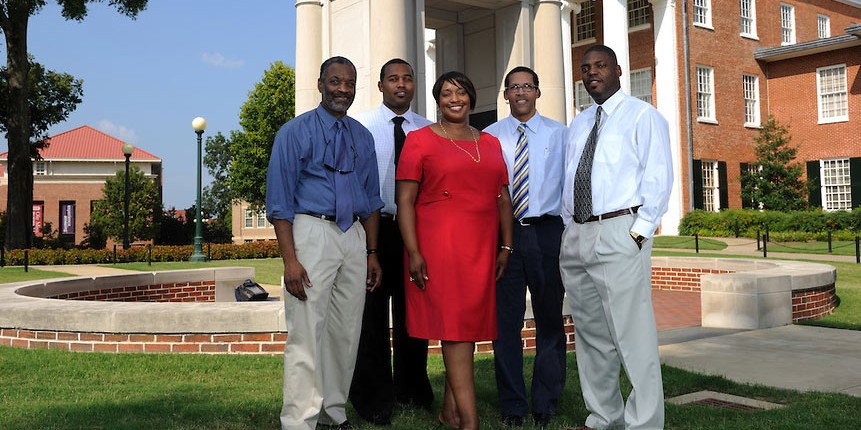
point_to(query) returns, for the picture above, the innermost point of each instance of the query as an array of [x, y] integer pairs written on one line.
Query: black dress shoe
[[380, 420], [542, 420], [512, 421], [343, 426]]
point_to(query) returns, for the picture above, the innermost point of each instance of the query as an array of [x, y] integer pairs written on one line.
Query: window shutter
[[741, 172], [855, 181], [814, 188], [698, 184], [722, 185]]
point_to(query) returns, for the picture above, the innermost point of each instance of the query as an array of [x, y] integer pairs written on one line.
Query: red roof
[[86, 142]]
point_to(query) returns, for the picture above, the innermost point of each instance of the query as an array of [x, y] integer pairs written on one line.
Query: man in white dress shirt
[[375, 390], [534, 150], [606, 251]]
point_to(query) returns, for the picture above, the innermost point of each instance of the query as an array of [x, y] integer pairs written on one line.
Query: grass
[[47, 389], [17, 274], [687, 242], [837, 247]]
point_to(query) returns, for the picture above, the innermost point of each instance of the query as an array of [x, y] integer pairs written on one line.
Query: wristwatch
[[638, 238]]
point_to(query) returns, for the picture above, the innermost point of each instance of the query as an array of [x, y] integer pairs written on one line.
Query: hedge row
[[782, 226], [267, 249]]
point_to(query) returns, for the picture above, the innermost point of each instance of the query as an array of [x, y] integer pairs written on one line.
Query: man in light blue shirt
[[534, 150]]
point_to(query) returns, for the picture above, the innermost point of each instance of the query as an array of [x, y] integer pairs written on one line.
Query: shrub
[[783, 226]]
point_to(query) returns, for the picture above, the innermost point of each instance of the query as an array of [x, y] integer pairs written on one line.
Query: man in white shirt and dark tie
[[376, 387], [534, 150], [618, 178]]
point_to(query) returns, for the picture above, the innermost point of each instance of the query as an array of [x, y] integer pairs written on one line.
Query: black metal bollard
[[857, 251], [149, 255], [697, 242], [115, 253], [829, 241], [26, 260], [765, 243], [735, 228], [758, 246], [2, 254]]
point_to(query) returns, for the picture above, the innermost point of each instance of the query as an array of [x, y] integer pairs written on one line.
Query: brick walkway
[[676, 309]]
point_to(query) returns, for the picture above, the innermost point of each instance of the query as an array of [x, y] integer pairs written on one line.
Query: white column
[[547, 48], [393, 35], [615, 15], [309, 53], [667, 88], [513, 45], [568, 7]]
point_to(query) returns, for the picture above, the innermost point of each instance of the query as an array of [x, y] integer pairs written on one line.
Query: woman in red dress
[[455, 216]]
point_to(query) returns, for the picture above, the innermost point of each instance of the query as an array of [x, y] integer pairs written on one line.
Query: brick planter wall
[[202, 291], [680, 278], [813, 303]]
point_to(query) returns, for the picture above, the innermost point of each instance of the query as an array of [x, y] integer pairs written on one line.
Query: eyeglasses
[[526, 88]]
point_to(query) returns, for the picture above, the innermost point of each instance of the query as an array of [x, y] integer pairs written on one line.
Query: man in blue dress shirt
[[533, 147], [322, 179]]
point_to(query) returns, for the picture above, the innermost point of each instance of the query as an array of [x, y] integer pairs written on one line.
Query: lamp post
[[128, 148], [198, 124]]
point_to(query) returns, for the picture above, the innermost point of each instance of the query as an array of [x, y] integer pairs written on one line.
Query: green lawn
[[17, 274], [837, 247], [687, 242], [45, 389]]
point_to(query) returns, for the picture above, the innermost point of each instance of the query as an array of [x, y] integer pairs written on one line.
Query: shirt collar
[[388, 114], [612, 103], [533, 124], [327, 119]]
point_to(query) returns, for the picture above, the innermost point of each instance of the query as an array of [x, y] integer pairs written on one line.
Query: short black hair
[[335, 60], [519, 69], [605, 49], [458, 79], [389, 63]]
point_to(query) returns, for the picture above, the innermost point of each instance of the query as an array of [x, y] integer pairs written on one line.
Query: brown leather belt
[[614, 214]]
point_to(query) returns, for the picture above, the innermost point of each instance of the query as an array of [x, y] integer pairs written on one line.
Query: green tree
[[144, 206], [14, 18], [775, 182], [270, 104]]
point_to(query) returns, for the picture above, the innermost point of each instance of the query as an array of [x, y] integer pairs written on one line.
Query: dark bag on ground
[[250, 291]]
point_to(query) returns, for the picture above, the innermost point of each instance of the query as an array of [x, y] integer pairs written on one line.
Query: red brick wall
[[813, 303], [680, 279], [203, 291]]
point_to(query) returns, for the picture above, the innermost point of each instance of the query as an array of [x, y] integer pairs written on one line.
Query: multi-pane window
[[702, 13], [711, 187], [787, 24], [261, 219], [586, 21], [641, 84], [823, 24], [836, 187], [705, 93], [748, 18], [249, 218], [41, 168], [750, 84], [638, 13], [833, 96], [583, 99]]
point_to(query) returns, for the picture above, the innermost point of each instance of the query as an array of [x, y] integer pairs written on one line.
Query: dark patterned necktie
[[400, 137], [343, 166], [583, 177], [521, 175]]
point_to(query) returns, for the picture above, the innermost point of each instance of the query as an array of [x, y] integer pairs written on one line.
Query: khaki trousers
[[608, 282], [323, 331]]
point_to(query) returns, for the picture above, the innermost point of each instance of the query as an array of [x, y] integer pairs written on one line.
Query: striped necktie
[[521, 175], [583, 177]]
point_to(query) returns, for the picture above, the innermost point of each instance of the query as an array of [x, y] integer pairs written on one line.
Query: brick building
[[71, 176]]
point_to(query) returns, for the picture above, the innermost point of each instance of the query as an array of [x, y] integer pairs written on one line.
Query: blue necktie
[[343, 166]]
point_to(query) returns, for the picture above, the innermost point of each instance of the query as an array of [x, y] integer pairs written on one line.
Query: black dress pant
[[375, 387]]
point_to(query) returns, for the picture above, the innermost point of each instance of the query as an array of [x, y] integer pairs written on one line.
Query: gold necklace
[[474, 139]]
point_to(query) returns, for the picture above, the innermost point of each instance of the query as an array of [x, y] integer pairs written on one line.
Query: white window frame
[[787, 24], [582, 99], [639, 15], [823, 26], [585, 27], [40, 168], [641, 84], [249, 218], [703, 14], [748, 15], [706, 94], [711, 186], [838, 91], [261, 219], [836, 188], [750, 93], [756, 169]]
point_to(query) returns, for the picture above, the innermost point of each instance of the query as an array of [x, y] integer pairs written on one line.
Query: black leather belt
[[532, 220], [614, 214], [387, 216], [330, 218]]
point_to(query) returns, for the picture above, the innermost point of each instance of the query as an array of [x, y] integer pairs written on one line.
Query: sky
[[145, 80]]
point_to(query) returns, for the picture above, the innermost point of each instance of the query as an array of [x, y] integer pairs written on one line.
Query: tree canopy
[[270, 104], [144, 206], [14, 19], [774, 180]]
